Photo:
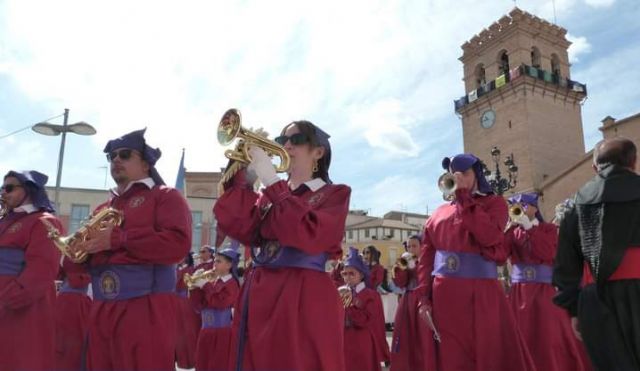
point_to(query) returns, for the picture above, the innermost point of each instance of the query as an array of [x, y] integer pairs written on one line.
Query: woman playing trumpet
[[290, 317], [365, 344]]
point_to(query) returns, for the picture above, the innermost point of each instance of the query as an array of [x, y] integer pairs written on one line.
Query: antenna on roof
[[555, 21]]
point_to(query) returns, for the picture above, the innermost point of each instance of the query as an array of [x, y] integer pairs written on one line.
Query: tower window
[[535, 57], [479, 75], [503, 62]]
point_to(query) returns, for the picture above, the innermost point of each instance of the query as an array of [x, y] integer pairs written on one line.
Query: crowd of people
[[135, 299]]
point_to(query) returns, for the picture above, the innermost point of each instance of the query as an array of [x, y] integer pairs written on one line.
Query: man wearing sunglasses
[[132, 266], [28, 266]]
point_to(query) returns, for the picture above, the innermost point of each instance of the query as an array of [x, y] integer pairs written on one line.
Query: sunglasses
[[124, 154], [296, 139], [8, 188]]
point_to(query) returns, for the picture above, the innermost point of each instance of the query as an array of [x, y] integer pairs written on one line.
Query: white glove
[[200, 282], [411, 264], [524, 221], [262, 166]]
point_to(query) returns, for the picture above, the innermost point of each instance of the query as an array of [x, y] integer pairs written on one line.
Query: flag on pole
[[180, 183]]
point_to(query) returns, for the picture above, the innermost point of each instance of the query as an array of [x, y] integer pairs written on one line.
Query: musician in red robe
[[546, 328], [405, 274], [289, 316], [133, 266], [371, 257], [188, 321], [365, 342], [28, 267], [72, 317], [215, 301]]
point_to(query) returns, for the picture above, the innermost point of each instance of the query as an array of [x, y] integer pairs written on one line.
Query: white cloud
[[600, 3], [579, 46]]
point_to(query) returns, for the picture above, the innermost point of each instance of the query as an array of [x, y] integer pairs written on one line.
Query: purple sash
[[216, 318], [183, 293], [66, 289], [539, 273], [463, 265], [122, 282], [290, 257], [11, 261]]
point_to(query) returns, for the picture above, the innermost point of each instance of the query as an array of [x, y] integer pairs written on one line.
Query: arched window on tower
[[555, 67], [479, 75], [503, 62], [535, 57]]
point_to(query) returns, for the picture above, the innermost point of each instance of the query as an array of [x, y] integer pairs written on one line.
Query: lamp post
[[45, 128], [498, 183]]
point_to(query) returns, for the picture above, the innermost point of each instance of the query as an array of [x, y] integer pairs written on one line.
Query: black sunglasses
[[124, 154], [296, 139], [8, 188]]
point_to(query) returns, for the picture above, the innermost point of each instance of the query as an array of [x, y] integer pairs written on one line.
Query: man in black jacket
[[600, 237]]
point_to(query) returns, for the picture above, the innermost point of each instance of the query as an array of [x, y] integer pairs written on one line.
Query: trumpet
[[515, 211], [190, 279], [230, 127], [345, 295], [68, 245], [447, 185]]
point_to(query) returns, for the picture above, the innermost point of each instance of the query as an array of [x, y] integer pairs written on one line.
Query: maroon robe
[[188, 323], [27, 298], [546, 328], [295, 318], [377, 275], [140, 333], [365, 343], [474, 319], [214, 344], [72, 318]]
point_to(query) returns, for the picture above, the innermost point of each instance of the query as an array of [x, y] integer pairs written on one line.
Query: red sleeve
[[76, 274], [361, 312], [236, 211], [400, 277], [196, 298], [42, 259], [485, 221], [221, 295], [544, 239], [425, 264], [165, 242], [336, 275], [296, 223]]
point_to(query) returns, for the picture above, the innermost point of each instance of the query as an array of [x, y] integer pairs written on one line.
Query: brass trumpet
[[230, 127], [190, 279], [68, 245], [515, 211], [345, 295], [447, 185]]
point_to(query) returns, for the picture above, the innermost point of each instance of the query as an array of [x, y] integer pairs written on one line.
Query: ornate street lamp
[[499, 183]]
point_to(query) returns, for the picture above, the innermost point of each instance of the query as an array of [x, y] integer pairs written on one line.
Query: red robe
[[546, 328], [139, 333], [365, 343], [27, 299], [295, 318], [214, 344], [72, 319], [405, 278], [473, 316], [188, 323], [377, 275], [336, 275]]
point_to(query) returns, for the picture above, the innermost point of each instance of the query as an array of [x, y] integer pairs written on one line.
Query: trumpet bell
[[447, 185], [229, 127], [515, 211]]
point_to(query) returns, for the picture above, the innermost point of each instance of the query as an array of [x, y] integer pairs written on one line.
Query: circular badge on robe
[[529, 273], [109, 284], [315, 199], [15, 227], [452, 263], [136, 201], [208, 318]]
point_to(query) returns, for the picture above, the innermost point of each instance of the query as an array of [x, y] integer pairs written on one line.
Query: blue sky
[[379, 76]]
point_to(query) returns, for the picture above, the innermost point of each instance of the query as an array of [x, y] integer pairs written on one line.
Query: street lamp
[[499, 184], [45, 128]]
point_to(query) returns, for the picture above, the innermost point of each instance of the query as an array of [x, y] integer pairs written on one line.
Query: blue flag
[[180, 183]]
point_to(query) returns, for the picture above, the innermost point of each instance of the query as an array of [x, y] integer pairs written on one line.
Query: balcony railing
[[516, 73]]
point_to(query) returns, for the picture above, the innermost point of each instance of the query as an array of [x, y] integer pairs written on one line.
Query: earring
[[315, 166]]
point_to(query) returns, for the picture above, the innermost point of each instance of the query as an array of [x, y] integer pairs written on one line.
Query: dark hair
[[307, 128], [189, 259], [374, 254], [226, 258], [385, 279], [616, 151], [415, 237]]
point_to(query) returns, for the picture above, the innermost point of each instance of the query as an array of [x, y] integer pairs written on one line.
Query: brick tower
[[521, 99]]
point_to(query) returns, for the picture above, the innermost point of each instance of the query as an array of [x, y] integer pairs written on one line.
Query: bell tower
[[520, 98]]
